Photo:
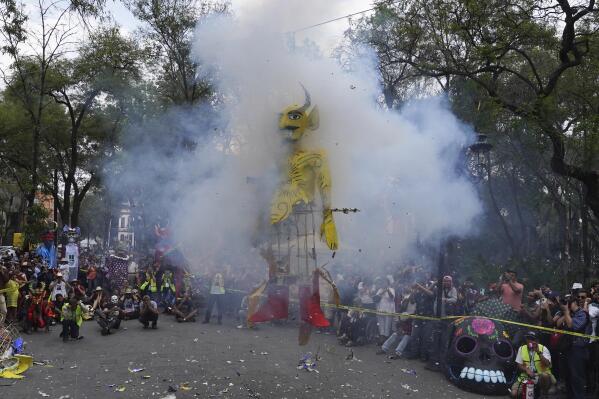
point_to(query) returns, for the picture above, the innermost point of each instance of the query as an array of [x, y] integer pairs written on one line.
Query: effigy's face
[[480, 357], [293, 122]]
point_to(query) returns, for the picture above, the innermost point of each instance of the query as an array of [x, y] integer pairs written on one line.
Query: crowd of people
[[37, 298], [561, 362]]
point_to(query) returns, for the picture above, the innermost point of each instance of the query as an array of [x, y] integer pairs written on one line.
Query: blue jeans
[[397, 341], [576, 377]]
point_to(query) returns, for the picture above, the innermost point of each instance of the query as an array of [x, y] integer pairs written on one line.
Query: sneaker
[[79, 337]]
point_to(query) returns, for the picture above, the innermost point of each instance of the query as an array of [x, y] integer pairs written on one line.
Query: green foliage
[[36, 224]]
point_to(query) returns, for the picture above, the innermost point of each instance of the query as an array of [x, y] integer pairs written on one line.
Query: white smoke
[[398, 168]]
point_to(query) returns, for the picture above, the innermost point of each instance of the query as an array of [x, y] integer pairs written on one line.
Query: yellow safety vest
[[167, 282], [151, 281], [539, 368]]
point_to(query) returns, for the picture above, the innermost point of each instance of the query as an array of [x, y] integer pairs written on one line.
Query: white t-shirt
[[133, 268], [594, 315], [387, 303], [546, 355], [59, 288]]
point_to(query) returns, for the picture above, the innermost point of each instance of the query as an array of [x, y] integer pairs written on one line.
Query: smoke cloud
[[398, 168]]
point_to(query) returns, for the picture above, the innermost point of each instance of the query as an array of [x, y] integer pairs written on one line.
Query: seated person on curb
[[71, 318], [108, 316], [398, 341], [129, 306], [534, 362], [185, 310], [148, 312]]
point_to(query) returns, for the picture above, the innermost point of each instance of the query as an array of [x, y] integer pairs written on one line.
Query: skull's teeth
[[470, 373], [493, 376]]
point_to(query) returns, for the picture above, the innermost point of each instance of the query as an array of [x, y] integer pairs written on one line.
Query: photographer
[[572, 317], [148, 312], [108, 316], [592, 308], [421, 328]]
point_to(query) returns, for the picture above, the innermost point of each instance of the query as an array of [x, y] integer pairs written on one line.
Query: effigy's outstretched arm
[[328, 230]]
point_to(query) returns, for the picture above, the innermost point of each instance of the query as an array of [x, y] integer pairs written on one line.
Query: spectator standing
[[91, 277], [11, 291], [574, 318], [71, 318], [58, 286], [386, 303], [511, 290], [216, 298]]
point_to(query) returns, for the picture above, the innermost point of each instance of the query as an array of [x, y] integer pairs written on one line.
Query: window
[[123, 222]]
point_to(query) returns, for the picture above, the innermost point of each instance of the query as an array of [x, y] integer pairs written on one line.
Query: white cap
[[577, 286]]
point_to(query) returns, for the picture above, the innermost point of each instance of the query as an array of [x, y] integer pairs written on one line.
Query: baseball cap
[[531, 335], [98, 288]]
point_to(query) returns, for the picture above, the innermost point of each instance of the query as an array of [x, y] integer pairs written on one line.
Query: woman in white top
[[58, 286], [386, 303]]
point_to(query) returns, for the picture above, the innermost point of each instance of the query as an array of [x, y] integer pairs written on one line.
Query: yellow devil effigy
[[291, 252]]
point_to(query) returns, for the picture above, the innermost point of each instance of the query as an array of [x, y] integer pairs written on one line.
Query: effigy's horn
[[308, 100]]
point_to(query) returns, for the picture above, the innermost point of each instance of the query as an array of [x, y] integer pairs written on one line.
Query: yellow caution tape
[[432, 318]]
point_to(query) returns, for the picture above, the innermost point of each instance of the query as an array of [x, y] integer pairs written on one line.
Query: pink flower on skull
[[483, 326]]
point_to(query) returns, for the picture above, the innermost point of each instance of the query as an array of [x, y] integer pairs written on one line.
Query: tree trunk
[[506, 229]]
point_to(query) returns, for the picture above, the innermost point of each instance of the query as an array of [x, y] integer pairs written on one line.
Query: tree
[[169, 26], [523, 55], [89, 87], [32, 53]]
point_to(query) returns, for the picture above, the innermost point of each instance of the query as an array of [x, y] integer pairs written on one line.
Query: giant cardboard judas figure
[[480, 356], [300, 206]]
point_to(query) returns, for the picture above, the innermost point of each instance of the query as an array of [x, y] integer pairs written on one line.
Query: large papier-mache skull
[[480, 356]]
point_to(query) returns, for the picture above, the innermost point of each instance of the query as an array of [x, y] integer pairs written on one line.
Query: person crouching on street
[[129, 305], [148, 312], [108, 316], [71, 318], [185, 310], [534, 362]]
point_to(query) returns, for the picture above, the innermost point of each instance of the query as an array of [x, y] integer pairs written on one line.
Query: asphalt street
[[193, 360]]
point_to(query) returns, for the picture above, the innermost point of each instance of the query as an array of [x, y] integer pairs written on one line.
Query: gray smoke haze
[[398, 168]]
